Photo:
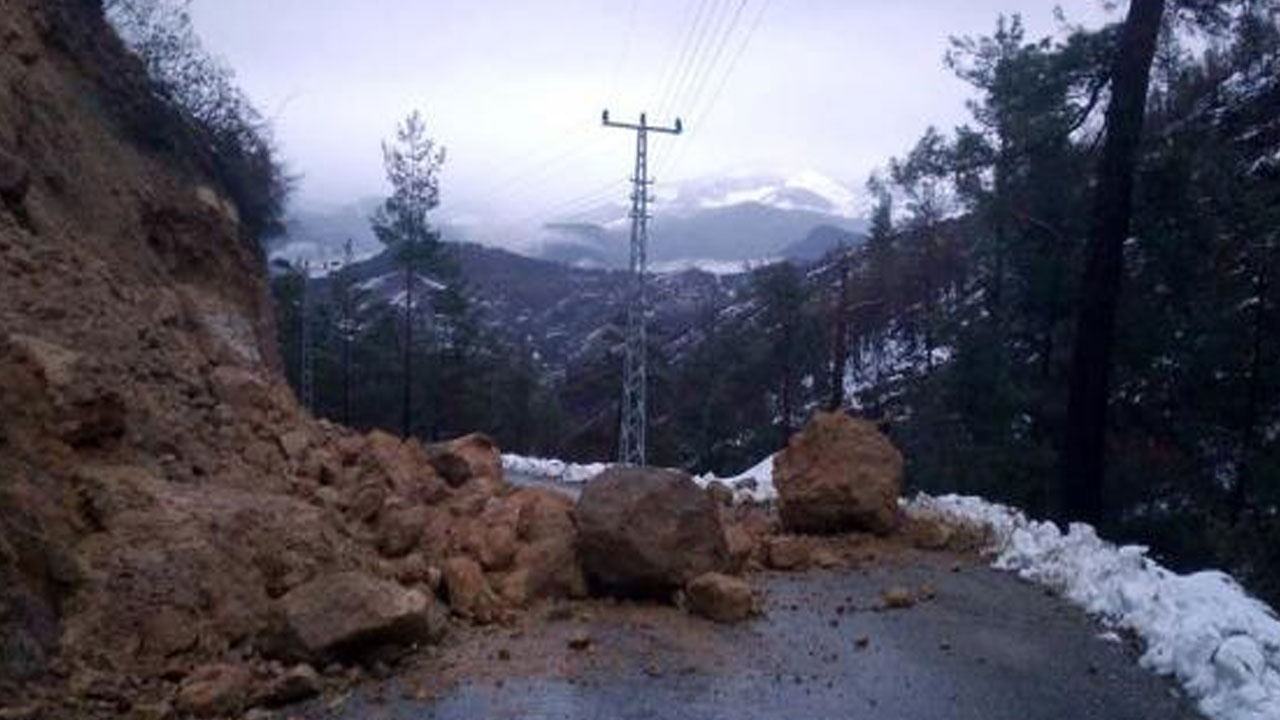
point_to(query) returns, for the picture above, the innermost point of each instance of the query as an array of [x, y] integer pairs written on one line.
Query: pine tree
[[412, 165]]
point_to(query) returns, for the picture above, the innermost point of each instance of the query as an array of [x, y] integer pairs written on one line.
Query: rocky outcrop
[[839, 474], [646, 532], [345, 613], [720, 597]]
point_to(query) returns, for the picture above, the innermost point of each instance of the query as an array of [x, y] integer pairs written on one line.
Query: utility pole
[[306, 372], [631, 446]]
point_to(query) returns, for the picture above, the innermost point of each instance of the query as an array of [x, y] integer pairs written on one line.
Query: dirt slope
[[160, 488]]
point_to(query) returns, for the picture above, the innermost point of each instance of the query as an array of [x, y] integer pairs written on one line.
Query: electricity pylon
[[307, 370], [631, 445]]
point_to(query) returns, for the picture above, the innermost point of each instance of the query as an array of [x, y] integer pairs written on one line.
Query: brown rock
[[349, 612], [469, 458], [498, 550], [896, 598], [468, 591], [786, 552], [720, 494], [294, 443], [399, 530], [742, 546], [720, 597], [297, 683], [825, 557], [838, 474], [215, 689], [366, 502], [646, 532]]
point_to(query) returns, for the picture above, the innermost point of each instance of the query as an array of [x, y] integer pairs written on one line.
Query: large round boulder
[[839, 474], [644, 532]]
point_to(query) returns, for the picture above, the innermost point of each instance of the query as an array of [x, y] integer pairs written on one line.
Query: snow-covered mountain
[[709, 222], [717, 224]]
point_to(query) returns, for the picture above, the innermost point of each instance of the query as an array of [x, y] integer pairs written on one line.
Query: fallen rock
[[350, 612], [839, 474], [896, 598], [217, 689], [468, 591], [720, 597], [720, 494], [403, 465], [786, 553], [295, 684], [399, 530], [469, 458], [645, 532], [294, 443], [547, 561]]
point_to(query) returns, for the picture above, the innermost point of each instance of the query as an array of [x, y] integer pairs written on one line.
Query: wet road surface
[[987, 647]]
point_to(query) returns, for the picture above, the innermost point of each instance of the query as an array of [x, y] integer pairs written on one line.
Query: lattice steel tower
[[305, 354], [631, 445]]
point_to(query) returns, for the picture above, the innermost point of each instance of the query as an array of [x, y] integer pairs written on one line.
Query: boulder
[[468, 591], [218, 689], [546, 561], [839, 474], [720, 597], [786, 553], [347, 613], [470, 458], [645, 532], [399, 530]]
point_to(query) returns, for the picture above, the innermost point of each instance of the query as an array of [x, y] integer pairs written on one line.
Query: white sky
[[514, 88]]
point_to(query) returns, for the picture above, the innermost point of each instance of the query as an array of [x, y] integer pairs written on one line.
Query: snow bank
[[552, 470], [1222, 645]]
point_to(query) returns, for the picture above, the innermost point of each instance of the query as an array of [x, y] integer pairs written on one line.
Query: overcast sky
[[514, 88]]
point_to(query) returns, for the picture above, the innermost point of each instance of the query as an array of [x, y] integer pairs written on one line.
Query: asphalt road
[[987, 647]]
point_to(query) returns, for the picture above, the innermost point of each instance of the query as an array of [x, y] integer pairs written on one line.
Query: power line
[[715, 60], [705, 62], [675, 160], [626, 51], [693, 60]]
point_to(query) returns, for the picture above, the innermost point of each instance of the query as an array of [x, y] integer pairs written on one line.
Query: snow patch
[[552, 470], [754, 484], [1222, 645]]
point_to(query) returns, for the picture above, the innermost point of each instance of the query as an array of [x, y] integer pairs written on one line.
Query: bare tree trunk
[[406, 413], [840, 343], [1083, 455]]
